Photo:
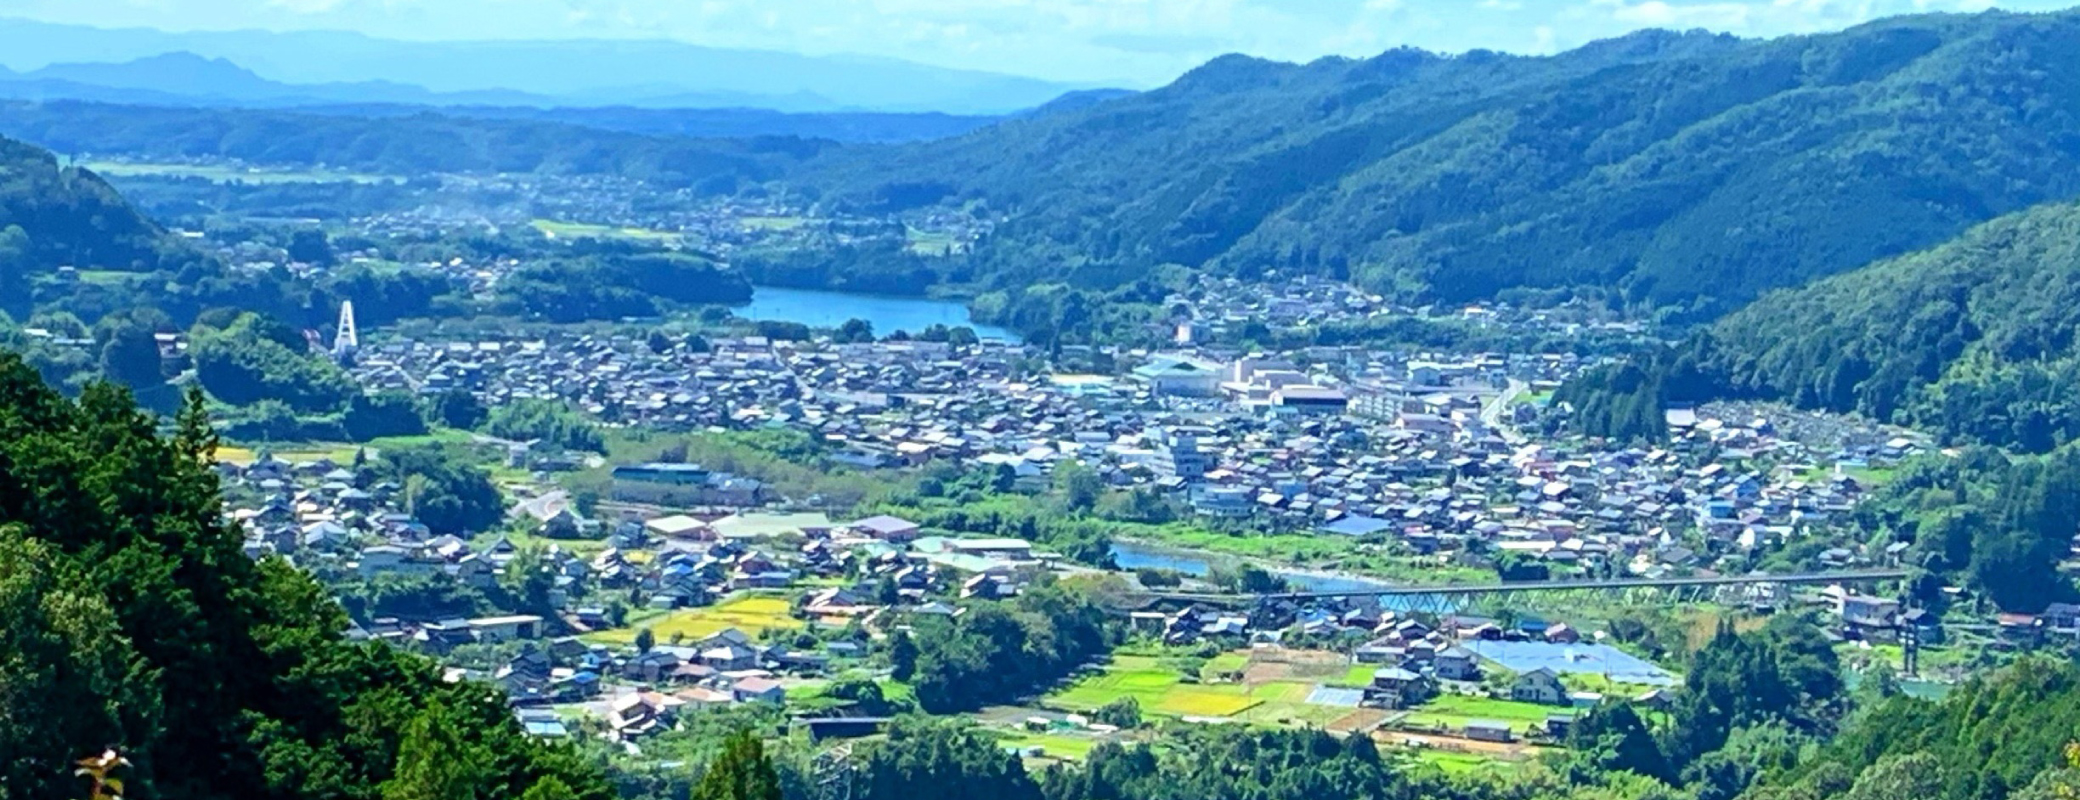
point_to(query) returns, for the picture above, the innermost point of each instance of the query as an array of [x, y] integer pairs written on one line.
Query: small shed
[[1487, 730]]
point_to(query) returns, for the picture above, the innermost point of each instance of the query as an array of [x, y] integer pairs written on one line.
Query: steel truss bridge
[[1455, 597]]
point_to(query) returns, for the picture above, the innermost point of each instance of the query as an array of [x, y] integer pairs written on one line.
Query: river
[[820, 309], [1137, 555]]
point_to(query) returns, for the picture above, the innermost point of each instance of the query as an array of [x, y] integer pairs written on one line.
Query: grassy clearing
[[1607, 687], [1357, 677], [1871, 476], [341, 453], [1455, 763], [1456, 710], [1227, 662], [224, 173], [578, 230], [108, 277], [748, 614], [931, 244]]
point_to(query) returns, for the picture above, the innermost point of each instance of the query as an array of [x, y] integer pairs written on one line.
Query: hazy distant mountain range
[[51, 61], [189, 80]]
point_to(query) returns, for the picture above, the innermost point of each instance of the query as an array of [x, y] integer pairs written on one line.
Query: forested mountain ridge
[[53, 216], [70, 216], [407, 146], [1678, 169], [1975, 338]]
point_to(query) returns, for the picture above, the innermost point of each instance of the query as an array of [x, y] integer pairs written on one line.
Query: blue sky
[[1137, 42]]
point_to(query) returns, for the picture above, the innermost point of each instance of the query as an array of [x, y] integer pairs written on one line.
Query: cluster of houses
[[1402, 449], [318, 514], [313, 513], [639, 693]]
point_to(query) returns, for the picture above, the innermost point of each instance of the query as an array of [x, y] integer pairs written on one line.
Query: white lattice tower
[[348, 339]]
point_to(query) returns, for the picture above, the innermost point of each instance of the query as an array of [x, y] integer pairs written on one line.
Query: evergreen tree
[[902, 656], [1618, 739], [458, 409], [742, 772], [434, 762], [130, 356], [549, 788]]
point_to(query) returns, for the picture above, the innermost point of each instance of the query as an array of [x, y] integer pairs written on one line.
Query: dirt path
[[1513, 751]]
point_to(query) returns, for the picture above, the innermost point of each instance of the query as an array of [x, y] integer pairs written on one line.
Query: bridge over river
[[1443, 597]]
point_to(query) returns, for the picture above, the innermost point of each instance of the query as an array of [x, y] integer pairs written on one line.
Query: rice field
[[1163, 691], [1159, 690], [748, 614]]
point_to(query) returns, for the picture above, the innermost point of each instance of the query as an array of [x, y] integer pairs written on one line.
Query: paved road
[[1491, 414]]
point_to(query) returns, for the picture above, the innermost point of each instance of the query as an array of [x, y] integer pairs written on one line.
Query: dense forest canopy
[[1690, 172], [133, 619], [1975, 338]]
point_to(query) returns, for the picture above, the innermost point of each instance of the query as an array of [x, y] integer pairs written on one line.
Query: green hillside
[[52, 216], [1975, 338], [1678, 169]]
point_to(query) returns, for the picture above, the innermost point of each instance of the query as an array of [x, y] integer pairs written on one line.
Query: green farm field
[[1456, 710], [748, 614], [1159, 690]]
